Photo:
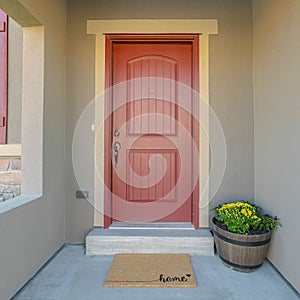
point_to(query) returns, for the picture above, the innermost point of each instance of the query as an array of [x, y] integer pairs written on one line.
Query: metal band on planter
[[241, 243], [237, 266]]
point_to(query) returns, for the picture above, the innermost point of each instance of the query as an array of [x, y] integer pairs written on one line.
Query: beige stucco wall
[[277, 122], [31, 233], [230, 86], [15, 53]]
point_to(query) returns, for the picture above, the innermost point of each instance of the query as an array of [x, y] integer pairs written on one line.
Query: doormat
[[151, 270]]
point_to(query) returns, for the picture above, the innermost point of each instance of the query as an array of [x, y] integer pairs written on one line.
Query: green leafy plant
[[245, 218]]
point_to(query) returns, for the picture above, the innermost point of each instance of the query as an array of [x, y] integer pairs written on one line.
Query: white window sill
[[10, 150], [16, 202]]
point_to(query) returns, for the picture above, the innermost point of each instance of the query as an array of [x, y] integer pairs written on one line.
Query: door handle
[[117, 147]]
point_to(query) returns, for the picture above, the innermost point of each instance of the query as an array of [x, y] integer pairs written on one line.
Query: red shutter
[[3, 75]]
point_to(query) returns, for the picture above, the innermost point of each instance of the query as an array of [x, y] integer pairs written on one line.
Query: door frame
[[98, 28], [109, 41]]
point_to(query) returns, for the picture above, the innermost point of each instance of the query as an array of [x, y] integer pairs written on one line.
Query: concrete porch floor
[[72, 275]]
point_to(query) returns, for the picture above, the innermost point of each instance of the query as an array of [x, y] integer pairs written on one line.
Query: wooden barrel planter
[[244, 253]]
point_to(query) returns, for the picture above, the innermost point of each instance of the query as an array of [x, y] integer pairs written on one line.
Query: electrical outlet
[[82, 194]]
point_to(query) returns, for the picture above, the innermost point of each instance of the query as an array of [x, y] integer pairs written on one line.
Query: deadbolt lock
[[117, 133]]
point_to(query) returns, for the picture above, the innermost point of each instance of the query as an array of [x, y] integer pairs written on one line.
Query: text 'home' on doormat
[[151, 270]]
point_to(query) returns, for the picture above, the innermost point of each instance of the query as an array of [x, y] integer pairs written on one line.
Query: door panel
[[154, 131], [139, 162], [150, 91]]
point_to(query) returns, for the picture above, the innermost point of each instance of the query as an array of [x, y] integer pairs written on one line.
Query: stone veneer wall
[[10, 177]]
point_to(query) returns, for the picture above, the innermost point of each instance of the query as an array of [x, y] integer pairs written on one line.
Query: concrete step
[[127, 240]]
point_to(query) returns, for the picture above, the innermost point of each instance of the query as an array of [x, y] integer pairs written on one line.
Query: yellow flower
[[244, 212]]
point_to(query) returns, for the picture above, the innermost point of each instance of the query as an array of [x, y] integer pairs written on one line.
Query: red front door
[[151, 135]]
